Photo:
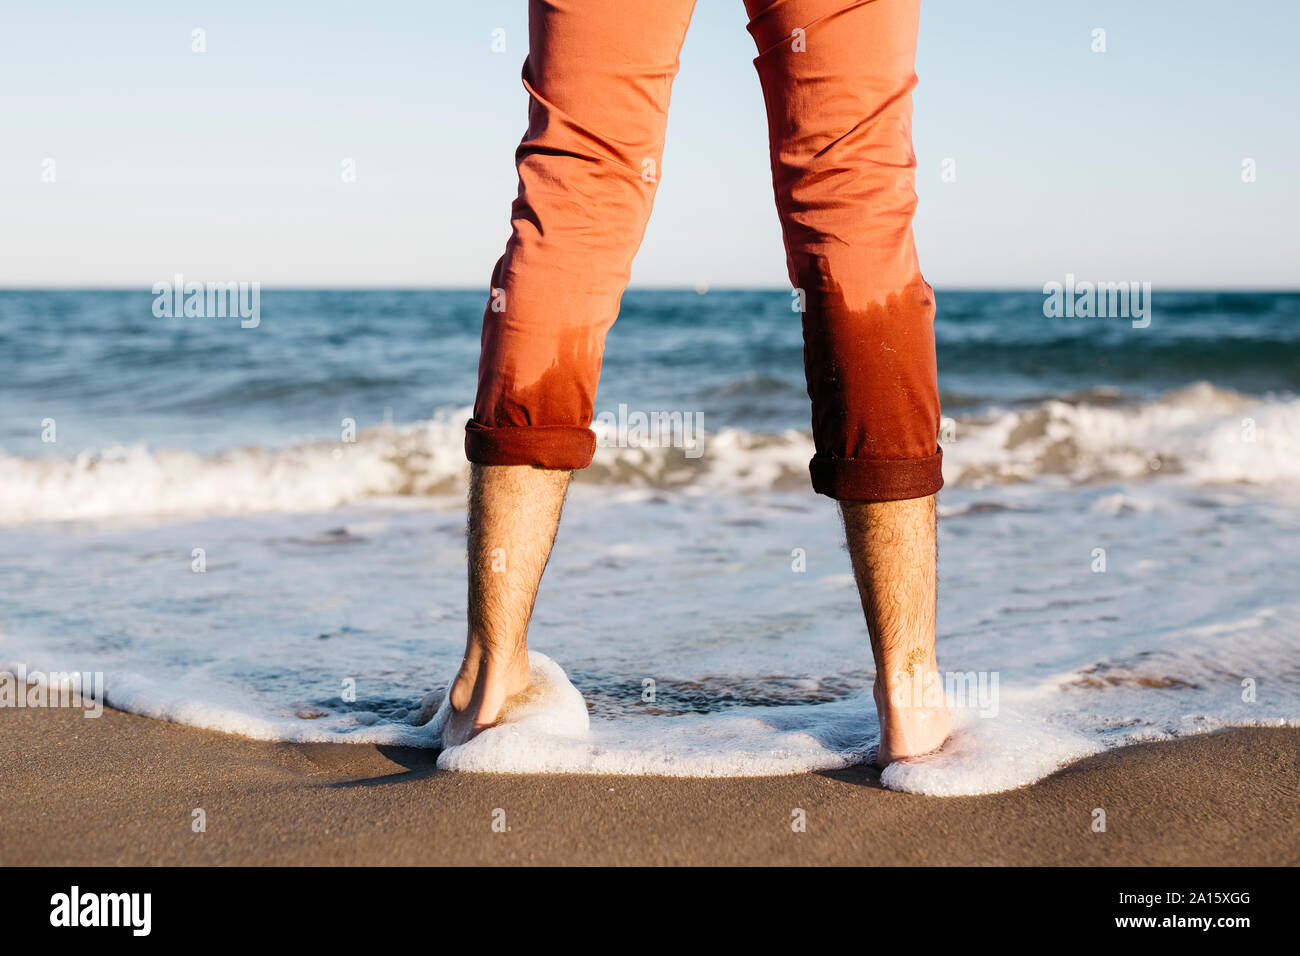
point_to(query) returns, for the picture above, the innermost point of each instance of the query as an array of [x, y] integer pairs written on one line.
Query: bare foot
[[513, 513], [481, 691], [892, 545], [913, 715]]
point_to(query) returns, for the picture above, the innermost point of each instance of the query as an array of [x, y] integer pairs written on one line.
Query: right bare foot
[[913, 714], [480, 692]]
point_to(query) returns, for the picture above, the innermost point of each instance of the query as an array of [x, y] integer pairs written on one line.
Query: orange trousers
[[837, 77]]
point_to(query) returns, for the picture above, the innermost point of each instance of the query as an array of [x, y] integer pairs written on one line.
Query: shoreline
[[122, 789]]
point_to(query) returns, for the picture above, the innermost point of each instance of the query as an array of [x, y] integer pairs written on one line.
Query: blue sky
[[1123, 165]]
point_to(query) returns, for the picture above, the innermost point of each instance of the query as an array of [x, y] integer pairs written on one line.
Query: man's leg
[[892, 546], [837, 77], [514, 511], [598, 75]]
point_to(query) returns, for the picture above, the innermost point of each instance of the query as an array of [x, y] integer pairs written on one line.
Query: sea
[[259, 529]]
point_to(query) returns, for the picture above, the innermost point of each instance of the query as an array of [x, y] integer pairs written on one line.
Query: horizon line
[[403, 287]]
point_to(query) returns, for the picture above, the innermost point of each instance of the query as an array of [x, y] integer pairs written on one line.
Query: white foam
[[550, 734], [551, 708], [1200, 434], [119, 482], [989, 755], [195, 702], [550, 731], [989, 751]]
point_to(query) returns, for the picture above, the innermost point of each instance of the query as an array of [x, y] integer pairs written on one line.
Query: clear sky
[[227, 164]]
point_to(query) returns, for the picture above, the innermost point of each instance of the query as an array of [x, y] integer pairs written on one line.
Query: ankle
[[509, 662], [903, 689], [493, 664]]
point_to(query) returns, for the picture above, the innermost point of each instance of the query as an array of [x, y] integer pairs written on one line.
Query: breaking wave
[[1200, 434]]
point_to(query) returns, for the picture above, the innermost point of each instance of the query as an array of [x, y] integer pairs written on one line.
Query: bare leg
[[892, 545], [514, 511]]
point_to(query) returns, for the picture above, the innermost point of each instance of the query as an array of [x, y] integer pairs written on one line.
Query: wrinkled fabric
[[837, 78]]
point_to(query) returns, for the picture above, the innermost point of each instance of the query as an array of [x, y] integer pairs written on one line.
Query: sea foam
[[549, 733], [1199, 435]]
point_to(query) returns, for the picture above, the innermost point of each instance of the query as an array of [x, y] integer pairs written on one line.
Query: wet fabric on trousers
[[837, 77]]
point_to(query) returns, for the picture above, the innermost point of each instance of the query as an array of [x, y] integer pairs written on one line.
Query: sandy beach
[[122, 789]]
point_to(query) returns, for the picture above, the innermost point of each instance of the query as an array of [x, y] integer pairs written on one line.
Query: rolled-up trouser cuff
[[543, 446], [873, 479]]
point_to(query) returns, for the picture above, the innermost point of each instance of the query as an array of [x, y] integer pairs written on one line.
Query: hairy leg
[[893, 549], [514, 511]]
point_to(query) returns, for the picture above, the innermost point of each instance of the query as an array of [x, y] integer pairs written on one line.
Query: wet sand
[[122, 789]]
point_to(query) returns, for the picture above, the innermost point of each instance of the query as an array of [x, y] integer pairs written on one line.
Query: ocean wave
[[1201, 434]]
